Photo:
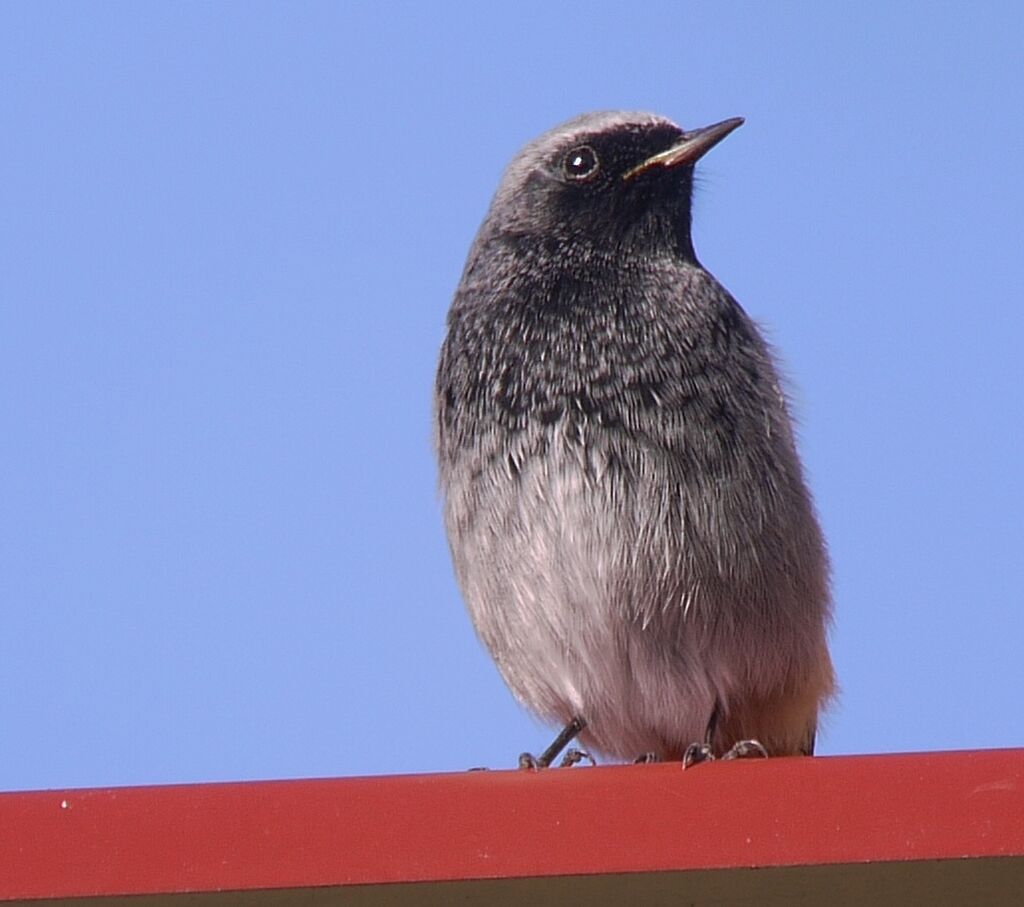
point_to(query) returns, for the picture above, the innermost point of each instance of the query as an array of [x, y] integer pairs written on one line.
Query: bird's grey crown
[[601, 122]]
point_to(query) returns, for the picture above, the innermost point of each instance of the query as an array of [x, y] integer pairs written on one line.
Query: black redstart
[[625, 506]]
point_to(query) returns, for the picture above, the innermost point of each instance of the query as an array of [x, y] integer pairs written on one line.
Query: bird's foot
[[529, 763], [696, 753], [574, 756], [646, 759], [747, 749], [532, 763]]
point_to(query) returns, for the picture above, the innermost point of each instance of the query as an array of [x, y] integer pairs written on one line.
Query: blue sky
[[229, 234]]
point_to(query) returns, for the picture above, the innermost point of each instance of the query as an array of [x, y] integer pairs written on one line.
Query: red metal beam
[[511, 824]]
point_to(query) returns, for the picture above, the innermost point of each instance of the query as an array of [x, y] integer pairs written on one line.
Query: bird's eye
[[580, 163]]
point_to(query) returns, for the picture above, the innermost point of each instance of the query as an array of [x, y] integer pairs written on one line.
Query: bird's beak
[[693, 146]]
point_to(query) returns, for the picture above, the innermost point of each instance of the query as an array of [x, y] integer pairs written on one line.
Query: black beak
[[693, 146]]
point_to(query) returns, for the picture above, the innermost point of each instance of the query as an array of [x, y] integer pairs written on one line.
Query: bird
[[626, 510]]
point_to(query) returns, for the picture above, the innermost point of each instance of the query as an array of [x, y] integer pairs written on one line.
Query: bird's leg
[[528, 760], [701, 752], [646, 759], [808, 748]]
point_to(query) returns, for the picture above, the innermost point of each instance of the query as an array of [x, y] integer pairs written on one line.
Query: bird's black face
[[605, 158], [588, 187]]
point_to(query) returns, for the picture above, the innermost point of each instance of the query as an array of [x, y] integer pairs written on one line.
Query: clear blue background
[[229, 233]]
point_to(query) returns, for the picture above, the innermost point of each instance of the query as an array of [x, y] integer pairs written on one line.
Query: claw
[[696, 753], [528, 762], [747, 749], [574, 756]]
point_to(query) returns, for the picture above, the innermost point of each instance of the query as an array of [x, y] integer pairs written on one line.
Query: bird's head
[[604, 179]]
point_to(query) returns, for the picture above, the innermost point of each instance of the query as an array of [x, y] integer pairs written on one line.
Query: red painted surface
[[509, 824]]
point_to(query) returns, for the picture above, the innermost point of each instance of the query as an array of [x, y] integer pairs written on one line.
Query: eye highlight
[[581, 163]]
